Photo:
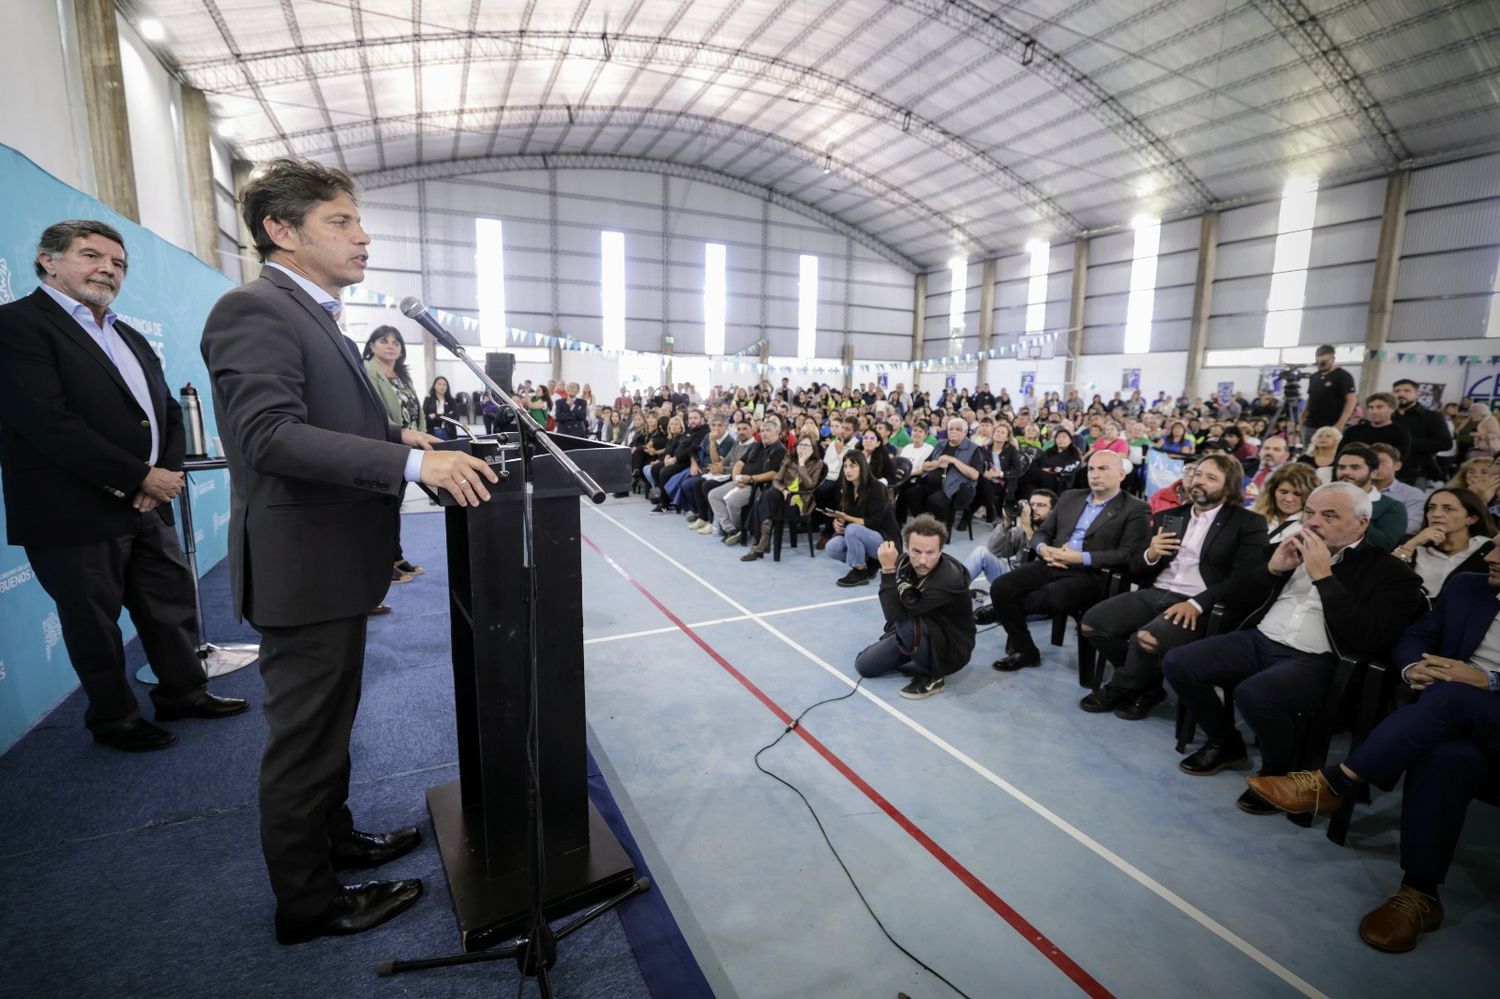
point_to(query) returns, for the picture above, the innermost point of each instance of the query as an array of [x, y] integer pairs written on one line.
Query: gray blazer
[[315, 466]]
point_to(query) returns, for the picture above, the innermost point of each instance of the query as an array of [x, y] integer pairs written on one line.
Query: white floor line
[[602, 639], [1120, 863]]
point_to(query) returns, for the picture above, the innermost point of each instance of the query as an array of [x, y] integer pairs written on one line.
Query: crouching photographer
[[929, 621]]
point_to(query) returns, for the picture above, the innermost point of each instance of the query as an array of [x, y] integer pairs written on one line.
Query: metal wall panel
[[1232, 331], [1246, 258], [1350, 203], [1108, 279], [1179, 236], [1345, 244], [1464, 180], [1334, 324], [1241, 295], [1441, 319], [1099, 310], [1248, 222], [1112, 248], [1457, 273], [1177, 269], [1453, 227], [1348, 284], [1172, 303]]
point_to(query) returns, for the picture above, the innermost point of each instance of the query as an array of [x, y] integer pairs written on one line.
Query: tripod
[[535, 951]]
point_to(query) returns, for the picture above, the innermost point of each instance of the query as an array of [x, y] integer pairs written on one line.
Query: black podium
[[480, 819]]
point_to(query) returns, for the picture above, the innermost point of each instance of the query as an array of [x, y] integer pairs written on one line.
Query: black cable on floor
[[834, 850]]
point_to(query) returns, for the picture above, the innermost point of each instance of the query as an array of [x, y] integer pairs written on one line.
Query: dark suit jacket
[[315, 464], [1456, 624], [1235, 544], [1369, 599], [73, 440], [1120, 532]]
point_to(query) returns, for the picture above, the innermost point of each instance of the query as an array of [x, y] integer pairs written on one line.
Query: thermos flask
[[192, 421]]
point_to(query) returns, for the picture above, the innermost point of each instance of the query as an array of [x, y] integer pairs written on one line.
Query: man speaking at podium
[[92, 447], [318, 473]]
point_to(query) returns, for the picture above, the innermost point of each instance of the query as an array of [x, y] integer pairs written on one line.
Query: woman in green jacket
[[385, 364]]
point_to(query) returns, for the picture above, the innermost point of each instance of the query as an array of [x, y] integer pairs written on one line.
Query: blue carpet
[[141, 875]]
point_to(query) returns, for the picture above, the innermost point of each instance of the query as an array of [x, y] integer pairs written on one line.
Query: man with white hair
[[1324, 592], [946, 481]]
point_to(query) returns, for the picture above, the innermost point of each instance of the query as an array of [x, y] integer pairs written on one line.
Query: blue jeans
[[674, 486], [982, 560], [886, 655], [856, 544]]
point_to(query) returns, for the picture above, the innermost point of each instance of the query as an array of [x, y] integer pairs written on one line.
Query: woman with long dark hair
[[1003, 467], [1057, 466], [439, 402], [801, 472], [1456, 532], [876, 455], [385, 364], [864, 519]]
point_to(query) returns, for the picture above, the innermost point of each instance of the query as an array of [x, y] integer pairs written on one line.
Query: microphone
[[413, 309]]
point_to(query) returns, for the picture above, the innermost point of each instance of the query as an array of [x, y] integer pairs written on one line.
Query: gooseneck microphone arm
[[413, 309]]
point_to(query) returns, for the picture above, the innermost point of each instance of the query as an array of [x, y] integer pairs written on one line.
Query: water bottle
[[192, 421]]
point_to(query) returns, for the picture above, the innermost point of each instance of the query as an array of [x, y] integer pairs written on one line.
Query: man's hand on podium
[[463, 475]]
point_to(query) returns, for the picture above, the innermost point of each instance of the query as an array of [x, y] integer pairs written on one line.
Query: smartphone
[[1174, 523]]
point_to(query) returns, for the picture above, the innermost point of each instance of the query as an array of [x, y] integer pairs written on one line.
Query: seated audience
[[865, 517], [919, 449], [1274, 453], [1385, 479], [1089, 530], [800, 474], [1281, 502], [1236, 444], [1008, 545], [1109, 439], [876, 455], [1428, 431], [761, 463], [1322, 453], [1481, 476], [1357, 464], [929, 630], [945, 483], [1447, 745], [1175, 494], [677, 463], [1323, 592], [1195, 551], [1001, 478], [1177, 440], [1057, 466], [1453, 537], [721, 465]]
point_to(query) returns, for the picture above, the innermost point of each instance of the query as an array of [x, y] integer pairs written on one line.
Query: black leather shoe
[[1106, 698], [1214, 757], [986, 615], [364, 849], [136, 736], [205, 705], [1020, 659], [1140, 705], [1255, 804], [355, 909]]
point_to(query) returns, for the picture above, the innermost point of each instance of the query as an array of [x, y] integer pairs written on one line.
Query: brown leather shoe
[[1301, 792], [1397, 924]]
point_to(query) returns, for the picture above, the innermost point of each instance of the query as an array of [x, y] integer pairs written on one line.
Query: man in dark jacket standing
[[1428, 431], [91, 444], [929, 621], [1325, 591]]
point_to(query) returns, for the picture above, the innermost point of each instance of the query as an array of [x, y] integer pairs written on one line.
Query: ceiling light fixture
[[225, 130], [152, 31], [1028, 52]]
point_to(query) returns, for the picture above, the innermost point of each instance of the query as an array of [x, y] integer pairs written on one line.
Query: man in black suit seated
[[1090, 530], [91, 443], [1195, 551], [1325, 591], [1447, 744]]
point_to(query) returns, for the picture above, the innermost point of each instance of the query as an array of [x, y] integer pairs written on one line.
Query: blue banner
[[167, 296]]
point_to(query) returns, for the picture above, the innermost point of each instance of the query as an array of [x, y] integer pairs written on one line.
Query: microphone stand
[[535, 952]]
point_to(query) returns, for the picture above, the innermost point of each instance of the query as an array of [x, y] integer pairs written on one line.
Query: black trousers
[[924, 494], [1037, 588], [145, 573], [1112, 626], [312, 674], [1272, 683]]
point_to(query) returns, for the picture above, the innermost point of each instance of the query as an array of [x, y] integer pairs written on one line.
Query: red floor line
[[1014, 919]]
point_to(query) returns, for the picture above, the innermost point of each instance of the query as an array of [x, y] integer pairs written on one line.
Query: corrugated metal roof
[[928, 126]]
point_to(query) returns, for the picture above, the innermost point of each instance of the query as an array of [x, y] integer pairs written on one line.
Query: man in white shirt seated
[[1324, 592]]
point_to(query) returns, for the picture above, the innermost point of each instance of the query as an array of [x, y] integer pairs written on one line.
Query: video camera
[[1291, 378]]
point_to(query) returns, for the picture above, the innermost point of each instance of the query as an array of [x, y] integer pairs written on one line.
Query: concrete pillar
[[986, 320], [424, 266], [1075, 309], [666, 355], [1203, 299], [1383, 287], [555, 351], [848, 359], [201, 193], [104, 94], [918, 323], [249, 259]]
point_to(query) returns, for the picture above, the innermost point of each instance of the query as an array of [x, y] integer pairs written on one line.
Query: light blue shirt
[[413, 471], [119, 352], [1091, 511]]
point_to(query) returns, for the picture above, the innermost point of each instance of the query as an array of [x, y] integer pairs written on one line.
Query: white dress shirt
[[1184, 575], [118, 351], [1296, 618]]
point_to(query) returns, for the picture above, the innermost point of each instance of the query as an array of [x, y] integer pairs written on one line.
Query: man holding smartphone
[[1195, 550]]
